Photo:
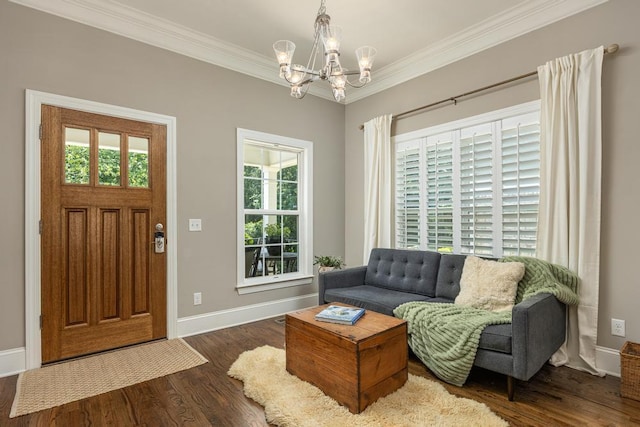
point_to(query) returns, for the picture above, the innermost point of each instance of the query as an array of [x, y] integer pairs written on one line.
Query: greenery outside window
[[274, 214], [110, 162]]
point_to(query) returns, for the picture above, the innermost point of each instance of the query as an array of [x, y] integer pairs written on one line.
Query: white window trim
[[528, 107], [304, 276]]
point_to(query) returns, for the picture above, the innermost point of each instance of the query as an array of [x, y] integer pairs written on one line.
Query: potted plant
[[252, 232], [275, 234], [328, 263]]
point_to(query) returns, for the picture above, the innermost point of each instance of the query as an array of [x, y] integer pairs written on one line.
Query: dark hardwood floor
[[205, 395]]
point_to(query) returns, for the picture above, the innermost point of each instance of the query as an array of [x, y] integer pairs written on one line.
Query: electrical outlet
[[195, 225], [617, 327], [197, 298]]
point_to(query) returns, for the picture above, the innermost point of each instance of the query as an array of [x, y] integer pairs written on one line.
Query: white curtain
[[570, 185], [377, 184]]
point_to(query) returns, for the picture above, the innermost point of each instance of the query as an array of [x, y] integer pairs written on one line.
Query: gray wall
[[42, 52], [46, 53], [612, 22]]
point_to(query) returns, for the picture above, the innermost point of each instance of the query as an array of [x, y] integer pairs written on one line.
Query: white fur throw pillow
[[489, 285]]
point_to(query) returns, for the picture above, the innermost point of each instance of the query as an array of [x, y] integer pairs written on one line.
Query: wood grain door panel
[[140, 262], [103, 285], [109, 271], [75, 277]]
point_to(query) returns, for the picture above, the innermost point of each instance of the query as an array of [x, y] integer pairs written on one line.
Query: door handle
[[158, 239]]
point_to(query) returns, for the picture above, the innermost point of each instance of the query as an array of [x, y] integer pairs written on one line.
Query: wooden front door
[[103, 192]]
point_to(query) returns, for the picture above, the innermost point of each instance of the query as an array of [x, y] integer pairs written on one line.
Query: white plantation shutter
[[472, 186], [408, 196], [439, 194], [476, 190], [520, 184]]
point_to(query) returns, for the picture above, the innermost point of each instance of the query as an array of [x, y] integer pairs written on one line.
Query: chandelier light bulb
[[284, 51], [296, 74], [365, 55], [331, 37]]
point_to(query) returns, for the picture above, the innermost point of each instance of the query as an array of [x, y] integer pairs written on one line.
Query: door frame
[[33, 105]]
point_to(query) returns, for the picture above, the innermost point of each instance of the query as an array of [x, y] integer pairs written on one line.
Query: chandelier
[[326, 39]]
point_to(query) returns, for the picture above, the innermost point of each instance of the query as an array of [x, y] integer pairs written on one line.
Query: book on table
[[341, 315]]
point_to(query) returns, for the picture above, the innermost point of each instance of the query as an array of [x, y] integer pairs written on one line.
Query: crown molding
[[132, 23], [511, 23]]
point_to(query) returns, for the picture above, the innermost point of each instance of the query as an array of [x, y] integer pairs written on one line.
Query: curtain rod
[[609, 49]]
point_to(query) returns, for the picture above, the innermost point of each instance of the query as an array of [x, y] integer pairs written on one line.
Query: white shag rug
[[291, 402]]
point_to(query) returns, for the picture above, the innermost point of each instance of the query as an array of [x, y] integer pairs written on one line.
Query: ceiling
[[413, 37]]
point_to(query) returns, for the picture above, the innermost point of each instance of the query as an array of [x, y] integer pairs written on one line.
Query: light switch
[[195, 225]]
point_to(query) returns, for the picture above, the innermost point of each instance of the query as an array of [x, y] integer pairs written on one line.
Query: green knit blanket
[[544, 277], [445, 337]]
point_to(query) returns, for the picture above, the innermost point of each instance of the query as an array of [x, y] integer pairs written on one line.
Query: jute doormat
[[291, 402], [66, 382]]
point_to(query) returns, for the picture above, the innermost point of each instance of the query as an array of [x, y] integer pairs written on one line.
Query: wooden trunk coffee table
[[355, 365]]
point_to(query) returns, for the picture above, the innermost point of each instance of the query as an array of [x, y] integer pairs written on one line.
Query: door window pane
[[108, 158], [138, 162], [77, 156]]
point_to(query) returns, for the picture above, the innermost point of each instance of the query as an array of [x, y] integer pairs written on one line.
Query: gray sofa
[[395, 276]]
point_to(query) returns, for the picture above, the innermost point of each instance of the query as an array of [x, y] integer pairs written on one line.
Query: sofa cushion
[[403, 270], [449, 273], [373, 298], [489, 285], [496, 338]]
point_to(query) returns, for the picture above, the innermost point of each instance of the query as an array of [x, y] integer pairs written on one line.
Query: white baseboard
[[608, 360], [12, 361], [207, 322]]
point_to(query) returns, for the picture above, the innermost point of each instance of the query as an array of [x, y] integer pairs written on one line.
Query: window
[[471, 186], [274, 211], [77, 158]]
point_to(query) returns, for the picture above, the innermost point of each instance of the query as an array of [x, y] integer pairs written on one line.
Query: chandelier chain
[[323, 9]]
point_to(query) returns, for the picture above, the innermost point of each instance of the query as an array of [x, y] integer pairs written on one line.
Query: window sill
[[275, 282]]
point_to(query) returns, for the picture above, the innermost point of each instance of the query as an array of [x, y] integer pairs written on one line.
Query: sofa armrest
[[340, 279], [538, 330]]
